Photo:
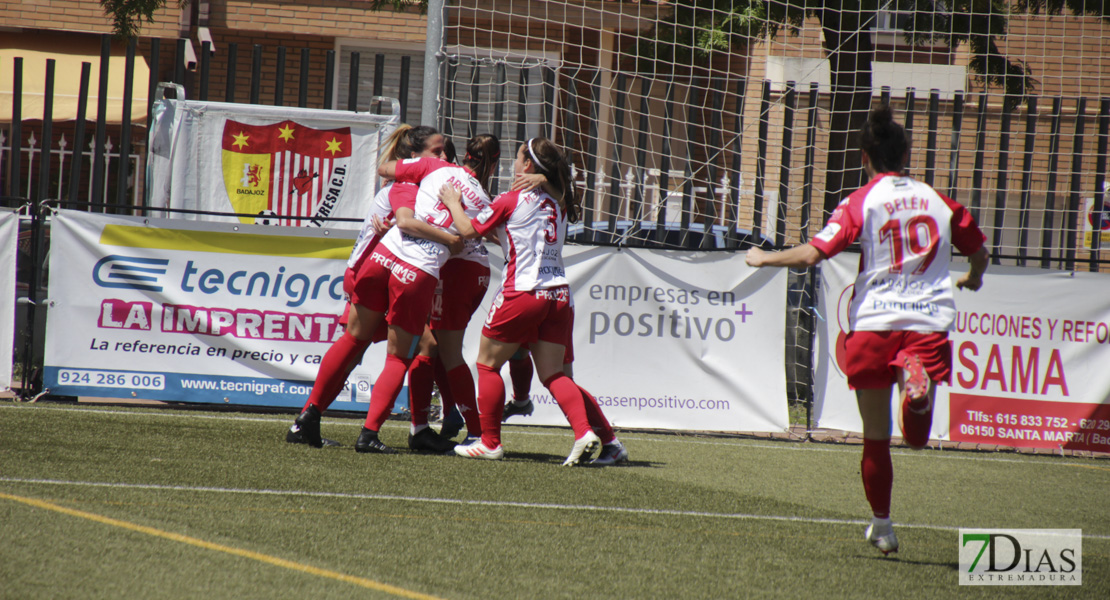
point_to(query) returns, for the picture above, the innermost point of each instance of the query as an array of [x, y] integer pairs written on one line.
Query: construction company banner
[[670, 340], [1029, 359], [191, 311], [270, 162], [9, 232]]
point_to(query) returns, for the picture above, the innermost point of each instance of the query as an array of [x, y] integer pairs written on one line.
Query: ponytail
[[884, 141], [553, 164], [483, 152]]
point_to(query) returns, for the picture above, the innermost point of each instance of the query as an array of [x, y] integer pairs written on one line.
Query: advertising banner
[[195, 312], [265, 161], [217, 313], [673, 340], [9, 232], [1029, 356]]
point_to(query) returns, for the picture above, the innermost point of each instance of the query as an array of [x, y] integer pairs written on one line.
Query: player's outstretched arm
[[797, 257], [973, 279]]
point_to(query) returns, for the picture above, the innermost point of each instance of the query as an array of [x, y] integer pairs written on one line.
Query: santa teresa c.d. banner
[[285, 169]]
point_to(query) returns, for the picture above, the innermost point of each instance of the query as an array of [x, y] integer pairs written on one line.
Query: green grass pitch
[[135, 502]]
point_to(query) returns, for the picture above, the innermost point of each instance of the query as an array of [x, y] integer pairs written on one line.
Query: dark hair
[[549, 160], [418, 138], [449, 153], [482, 153], [884, 141]]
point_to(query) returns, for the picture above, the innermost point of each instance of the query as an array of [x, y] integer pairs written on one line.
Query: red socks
[[878, 475], [446, 398], [597, 419], [570, 400], [341, 357], [462, 388], [421, 375], [386, 389], [491, 400], [520, 371]]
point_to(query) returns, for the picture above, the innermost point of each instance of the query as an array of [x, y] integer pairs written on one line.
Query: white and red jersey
[[532, 228], [367, 238], [906, 231], [432, 174]]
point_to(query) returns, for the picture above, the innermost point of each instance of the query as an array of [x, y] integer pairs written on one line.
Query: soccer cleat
[[880, 534], [479, 450], [427, 440], [293, 436], [453, 423], [513, 409], [611, 454], [368, 442], [582, 449], [917, 381], [307, 428]]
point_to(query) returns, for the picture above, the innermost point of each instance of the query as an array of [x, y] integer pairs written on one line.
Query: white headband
[[535, 158]]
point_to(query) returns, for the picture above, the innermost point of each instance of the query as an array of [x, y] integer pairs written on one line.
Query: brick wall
[[79, 15]]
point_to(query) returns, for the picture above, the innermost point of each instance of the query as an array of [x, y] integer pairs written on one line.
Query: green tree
[[128, 15], [697, 28]]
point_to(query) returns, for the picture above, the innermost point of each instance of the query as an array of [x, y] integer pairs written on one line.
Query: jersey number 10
[[919, 237]]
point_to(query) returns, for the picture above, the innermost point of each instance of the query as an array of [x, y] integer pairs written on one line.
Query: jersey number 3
[[919, 237]]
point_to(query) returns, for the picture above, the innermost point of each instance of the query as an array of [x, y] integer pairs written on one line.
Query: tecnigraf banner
[[1029, 355], [194, 312], [9, 232]]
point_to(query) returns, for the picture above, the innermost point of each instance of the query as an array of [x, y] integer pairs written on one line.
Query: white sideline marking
[[495, 503], [790, 447]]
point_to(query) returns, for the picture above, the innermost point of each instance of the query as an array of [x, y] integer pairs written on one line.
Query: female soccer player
[[400, 276], [533, 305], [902, 307], [391, 201]]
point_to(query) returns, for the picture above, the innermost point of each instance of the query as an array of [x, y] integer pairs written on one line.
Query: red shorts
[[568, 355], [873, 356], [525, 317], [382, 332], [462, 287], [390, 285]]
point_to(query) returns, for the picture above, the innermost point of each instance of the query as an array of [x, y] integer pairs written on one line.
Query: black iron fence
[[665, 163]]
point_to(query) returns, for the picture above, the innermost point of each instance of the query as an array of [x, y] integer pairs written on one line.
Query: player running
[[902, 307]]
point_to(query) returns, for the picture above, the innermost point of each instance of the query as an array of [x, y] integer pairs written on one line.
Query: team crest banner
[[268, 165], [1029, 351]]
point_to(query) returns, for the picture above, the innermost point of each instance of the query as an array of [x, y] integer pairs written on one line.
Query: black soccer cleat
[[513, 409], [306, 428], [293, 436], [368, 442], [427, 440]]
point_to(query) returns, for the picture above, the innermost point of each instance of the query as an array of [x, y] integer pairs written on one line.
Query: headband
[[535, 158]]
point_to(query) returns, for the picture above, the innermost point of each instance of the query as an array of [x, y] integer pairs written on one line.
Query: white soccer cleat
[[880, 534], [480, 450], [583, 447]]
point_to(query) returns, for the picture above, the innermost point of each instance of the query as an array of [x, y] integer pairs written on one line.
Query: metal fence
[[1025, 170]]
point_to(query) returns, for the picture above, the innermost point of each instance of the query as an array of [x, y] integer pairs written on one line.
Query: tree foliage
[[128, 16]]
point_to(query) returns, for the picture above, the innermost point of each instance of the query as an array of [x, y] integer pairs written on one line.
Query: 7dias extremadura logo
[[1021, 557]]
